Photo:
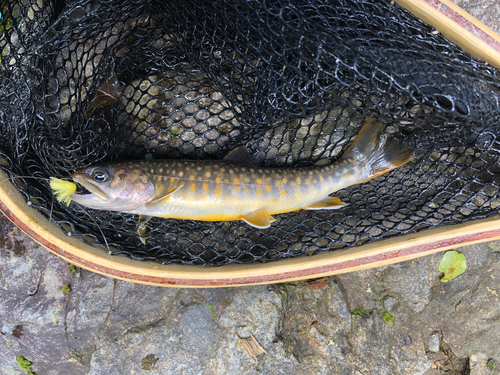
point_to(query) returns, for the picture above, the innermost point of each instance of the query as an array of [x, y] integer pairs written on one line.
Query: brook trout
[[233, 188]]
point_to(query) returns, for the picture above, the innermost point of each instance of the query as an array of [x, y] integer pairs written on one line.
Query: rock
[[90, 303], [125, 354], [433, 343], [149, 306], [494, 246], [412, 281], [200, 331], [256, 311], [475, 293], [33, 308], [391, 305], [479, 365]]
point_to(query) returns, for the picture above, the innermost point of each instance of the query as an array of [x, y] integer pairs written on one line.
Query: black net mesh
[[86, 81]]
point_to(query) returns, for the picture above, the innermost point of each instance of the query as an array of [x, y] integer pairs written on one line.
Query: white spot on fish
[[181, 173], [161, 170]]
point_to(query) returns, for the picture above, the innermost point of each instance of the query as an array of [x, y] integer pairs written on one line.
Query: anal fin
[[329, 203], [258, 219]]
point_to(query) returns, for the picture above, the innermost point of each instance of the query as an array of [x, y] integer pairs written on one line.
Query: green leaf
[[452, 265], [490, 365], [387, 317], [358, 311], [25, 364], [66, 289]]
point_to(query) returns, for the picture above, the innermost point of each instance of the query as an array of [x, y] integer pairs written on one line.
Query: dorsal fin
[[240, 156]]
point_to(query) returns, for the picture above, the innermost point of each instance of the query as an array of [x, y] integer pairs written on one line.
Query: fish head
[[117, 187]]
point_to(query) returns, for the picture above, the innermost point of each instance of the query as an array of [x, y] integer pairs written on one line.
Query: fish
[[234, 188]]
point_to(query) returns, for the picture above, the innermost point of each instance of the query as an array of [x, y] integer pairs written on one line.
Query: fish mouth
[[96, 193]]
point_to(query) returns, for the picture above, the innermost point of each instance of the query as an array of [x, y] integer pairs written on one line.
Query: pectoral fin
[[258, 219], [162, 200], [329, 203]]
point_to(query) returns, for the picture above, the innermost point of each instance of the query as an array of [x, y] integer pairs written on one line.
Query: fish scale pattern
[[83, 82]]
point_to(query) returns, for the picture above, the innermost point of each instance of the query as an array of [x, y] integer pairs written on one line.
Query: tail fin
[[377, 153]]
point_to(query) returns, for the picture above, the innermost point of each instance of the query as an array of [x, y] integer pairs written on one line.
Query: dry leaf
[[149, 361], [107, 94], [318, 283], [309, 326], [438, 364], [251, 346]]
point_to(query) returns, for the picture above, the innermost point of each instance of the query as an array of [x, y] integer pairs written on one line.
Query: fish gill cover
[[83, 82]]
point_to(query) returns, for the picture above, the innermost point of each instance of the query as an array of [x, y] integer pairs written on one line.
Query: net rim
[[459, 26], [375, 254]]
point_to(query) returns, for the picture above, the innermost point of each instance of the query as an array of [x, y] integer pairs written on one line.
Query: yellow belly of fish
[[214, 206], [183, 209]]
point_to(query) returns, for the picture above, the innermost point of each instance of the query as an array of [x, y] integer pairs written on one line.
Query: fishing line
[[98, 227]]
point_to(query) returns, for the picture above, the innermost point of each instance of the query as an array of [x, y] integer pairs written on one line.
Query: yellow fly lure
[[62, 190]]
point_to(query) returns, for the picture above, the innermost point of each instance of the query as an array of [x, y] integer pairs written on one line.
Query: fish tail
[[376, 153]]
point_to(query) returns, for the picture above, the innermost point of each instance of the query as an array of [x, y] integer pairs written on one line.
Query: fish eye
[[99, 175]]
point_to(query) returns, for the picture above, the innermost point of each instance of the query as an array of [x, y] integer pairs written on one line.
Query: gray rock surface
[[433, 342], [487, 11], [398, 319]]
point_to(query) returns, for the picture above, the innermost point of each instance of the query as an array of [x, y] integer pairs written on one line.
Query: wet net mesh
[[83, 82]]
